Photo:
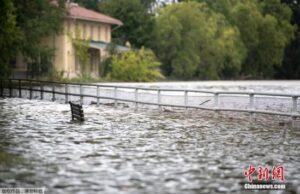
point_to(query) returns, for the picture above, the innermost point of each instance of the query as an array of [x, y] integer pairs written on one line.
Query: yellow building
[[93, 26]]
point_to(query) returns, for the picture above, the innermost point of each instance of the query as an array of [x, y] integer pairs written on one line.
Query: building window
[[92, 29], [107, 34], [99, 33], [13, 63], [84, 31]]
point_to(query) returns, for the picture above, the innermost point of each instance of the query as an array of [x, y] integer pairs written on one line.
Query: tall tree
[[265, 31], [148, 3], [37, 19], [90, 4], [290, 68], [93, 4], [192, 40], [138, 23], [285, 30], [9, 34]]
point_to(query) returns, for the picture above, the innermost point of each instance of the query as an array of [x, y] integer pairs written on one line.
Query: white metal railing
[[16, 87]]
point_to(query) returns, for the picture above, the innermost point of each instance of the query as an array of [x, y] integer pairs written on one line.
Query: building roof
[[78, 12]]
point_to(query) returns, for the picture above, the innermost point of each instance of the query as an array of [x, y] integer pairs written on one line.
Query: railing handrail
[[165, 89], [215, 107]]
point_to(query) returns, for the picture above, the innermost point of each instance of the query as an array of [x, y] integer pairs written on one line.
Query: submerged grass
[[9, 159]]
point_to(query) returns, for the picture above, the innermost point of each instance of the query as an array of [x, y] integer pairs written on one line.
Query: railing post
[[251, 106], [1, 89], [294, 99], [53, 91], [42, 90], [10, 88], [294, 109], [115, 96], [186, 99], [30, 90], [98, 95], [66, 93], [81, 94], [216, 100], [216, 103], [159, 99], [136, 98], [20, 90]]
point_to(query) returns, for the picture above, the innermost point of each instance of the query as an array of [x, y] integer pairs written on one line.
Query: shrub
[[55, 75], [135, 65]]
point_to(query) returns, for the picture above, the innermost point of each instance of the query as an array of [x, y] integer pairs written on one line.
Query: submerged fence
[[238, 101]]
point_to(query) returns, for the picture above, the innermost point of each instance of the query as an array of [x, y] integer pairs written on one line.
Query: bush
[[55, 75], [138, 65]]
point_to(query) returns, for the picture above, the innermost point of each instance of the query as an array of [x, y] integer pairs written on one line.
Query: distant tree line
[[193, 39], [213, 39]]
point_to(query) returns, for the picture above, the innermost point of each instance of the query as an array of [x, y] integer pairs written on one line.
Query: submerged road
[[122, 151]]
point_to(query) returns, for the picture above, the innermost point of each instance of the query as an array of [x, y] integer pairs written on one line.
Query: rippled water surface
[[123, 151]]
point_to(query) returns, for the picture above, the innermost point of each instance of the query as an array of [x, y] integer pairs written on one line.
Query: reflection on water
[[122, 151]]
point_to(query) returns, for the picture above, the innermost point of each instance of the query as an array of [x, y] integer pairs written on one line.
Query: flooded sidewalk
[[125, 151]]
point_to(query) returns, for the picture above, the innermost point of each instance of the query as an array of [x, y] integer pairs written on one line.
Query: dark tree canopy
[[90, 4], [265, 31], [290, 68], [138, 23], [37, 19], [193, 42], [9, 35]]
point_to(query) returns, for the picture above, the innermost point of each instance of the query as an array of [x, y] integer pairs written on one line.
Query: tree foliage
[[192, 41], [138, 23], [137, 65], [90, 4], [206, 39], [274, 33], [81, 48], [290, 68], [37, 19], [9, 35], [265, 31]]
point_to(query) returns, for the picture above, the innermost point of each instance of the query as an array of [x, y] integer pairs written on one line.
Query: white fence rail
[[236, 101]]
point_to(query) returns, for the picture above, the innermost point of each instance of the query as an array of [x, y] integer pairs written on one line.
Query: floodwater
[[275, 86], [125, 151]]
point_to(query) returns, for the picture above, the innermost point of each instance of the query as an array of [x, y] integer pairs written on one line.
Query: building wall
[[89, 30], [65, 59]]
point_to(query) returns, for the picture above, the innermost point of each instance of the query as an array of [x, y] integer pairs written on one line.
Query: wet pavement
[[126, 151]]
